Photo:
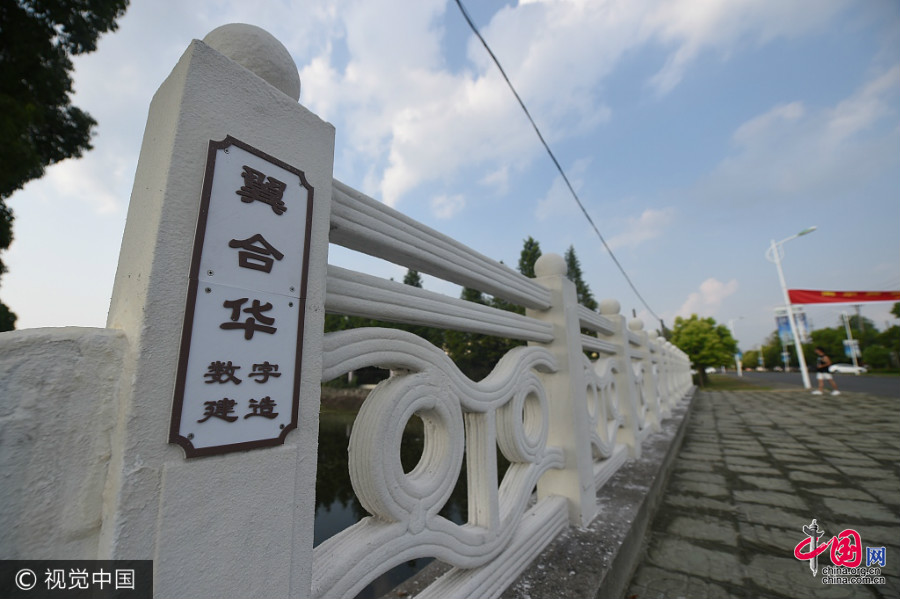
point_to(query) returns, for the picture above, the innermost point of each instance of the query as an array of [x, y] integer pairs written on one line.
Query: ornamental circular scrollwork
[[523, 423], [376, 471], [592, 397]]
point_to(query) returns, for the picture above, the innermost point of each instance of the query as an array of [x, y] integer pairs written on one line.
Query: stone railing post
[[626, 384], [649, 391], [238, 524], [662, 372], [566, 390]]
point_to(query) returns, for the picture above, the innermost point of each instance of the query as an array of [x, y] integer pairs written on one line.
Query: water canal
[[336, 504]]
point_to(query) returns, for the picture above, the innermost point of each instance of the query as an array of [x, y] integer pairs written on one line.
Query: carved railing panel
[[508, 409], [601, 397], [565, 423]]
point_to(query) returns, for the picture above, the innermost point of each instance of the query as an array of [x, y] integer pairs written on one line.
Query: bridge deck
[[754, 469], [717, 503]]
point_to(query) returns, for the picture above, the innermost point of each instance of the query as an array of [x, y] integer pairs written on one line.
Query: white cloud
[[708, 299], [498, 180], [402, 107], [408, 113], [93, 180], [692, 26], [758, 128], [858, 113], [406, 117], [649, 225], [793, 151], [445, 207]]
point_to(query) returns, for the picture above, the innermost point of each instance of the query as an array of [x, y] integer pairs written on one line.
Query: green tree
[[531, 251], [476, 354], [890, 338], [573, 272], [7, 318], [862, 329], [705, 342], [751, 358], [469, 351], [772, 351], [38, 124], [895, 310], [412, 278], [432, 335], [877, 356], [342, 322]]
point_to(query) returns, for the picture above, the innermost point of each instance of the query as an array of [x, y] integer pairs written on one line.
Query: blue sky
[[695, 131]]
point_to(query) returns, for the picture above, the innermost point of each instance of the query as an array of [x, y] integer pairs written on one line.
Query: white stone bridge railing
[[148, 459], [564, 422]]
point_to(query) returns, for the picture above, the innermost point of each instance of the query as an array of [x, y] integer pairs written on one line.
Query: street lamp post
[[773, 254]]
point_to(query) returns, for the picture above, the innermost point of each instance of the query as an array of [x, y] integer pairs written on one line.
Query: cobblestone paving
[[754, 469]]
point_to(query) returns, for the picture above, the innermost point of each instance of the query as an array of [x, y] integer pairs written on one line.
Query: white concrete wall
[[56, 422]]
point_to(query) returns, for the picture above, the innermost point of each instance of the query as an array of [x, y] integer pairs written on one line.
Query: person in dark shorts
[[822, 374]]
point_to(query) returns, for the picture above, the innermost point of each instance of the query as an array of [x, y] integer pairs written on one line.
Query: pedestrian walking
[[822, 374]]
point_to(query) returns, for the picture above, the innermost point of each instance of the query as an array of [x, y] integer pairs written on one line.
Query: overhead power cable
[[555, 161]]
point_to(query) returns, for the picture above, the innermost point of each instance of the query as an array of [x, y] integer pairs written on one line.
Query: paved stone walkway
[[754, 469]]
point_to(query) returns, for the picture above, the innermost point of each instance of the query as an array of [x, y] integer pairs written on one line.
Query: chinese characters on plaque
[[239, 368]]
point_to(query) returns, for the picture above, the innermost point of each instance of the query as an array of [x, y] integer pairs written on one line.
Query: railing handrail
[[534, 406], [358, 294], [364, 224]]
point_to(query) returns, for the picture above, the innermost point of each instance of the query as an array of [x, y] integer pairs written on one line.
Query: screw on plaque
[[210, 272], [190, 435]]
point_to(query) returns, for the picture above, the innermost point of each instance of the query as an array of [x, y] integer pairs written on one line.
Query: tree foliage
[[573, 272], [476, 354], [705, 342], [531, 251], [38, 124], [470, 351], [895, 310], [412, 279], [7, 318]]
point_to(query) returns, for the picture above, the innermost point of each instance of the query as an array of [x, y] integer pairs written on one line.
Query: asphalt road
[[882, 385]]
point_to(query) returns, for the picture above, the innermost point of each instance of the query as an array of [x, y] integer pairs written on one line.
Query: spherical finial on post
[[258, 51], [550, 264], [608, 307], [636, 324]]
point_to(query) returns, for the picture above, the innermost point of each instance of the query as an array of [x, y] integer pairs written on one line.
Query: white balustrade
[[565, 422]]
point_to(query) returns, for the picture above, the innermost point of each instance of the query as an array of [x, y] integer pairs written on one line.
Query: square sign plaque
[[238, 380]]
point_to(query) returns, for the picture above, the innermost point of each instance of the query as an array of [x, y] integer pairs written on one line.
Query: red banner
[[809, 296]]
